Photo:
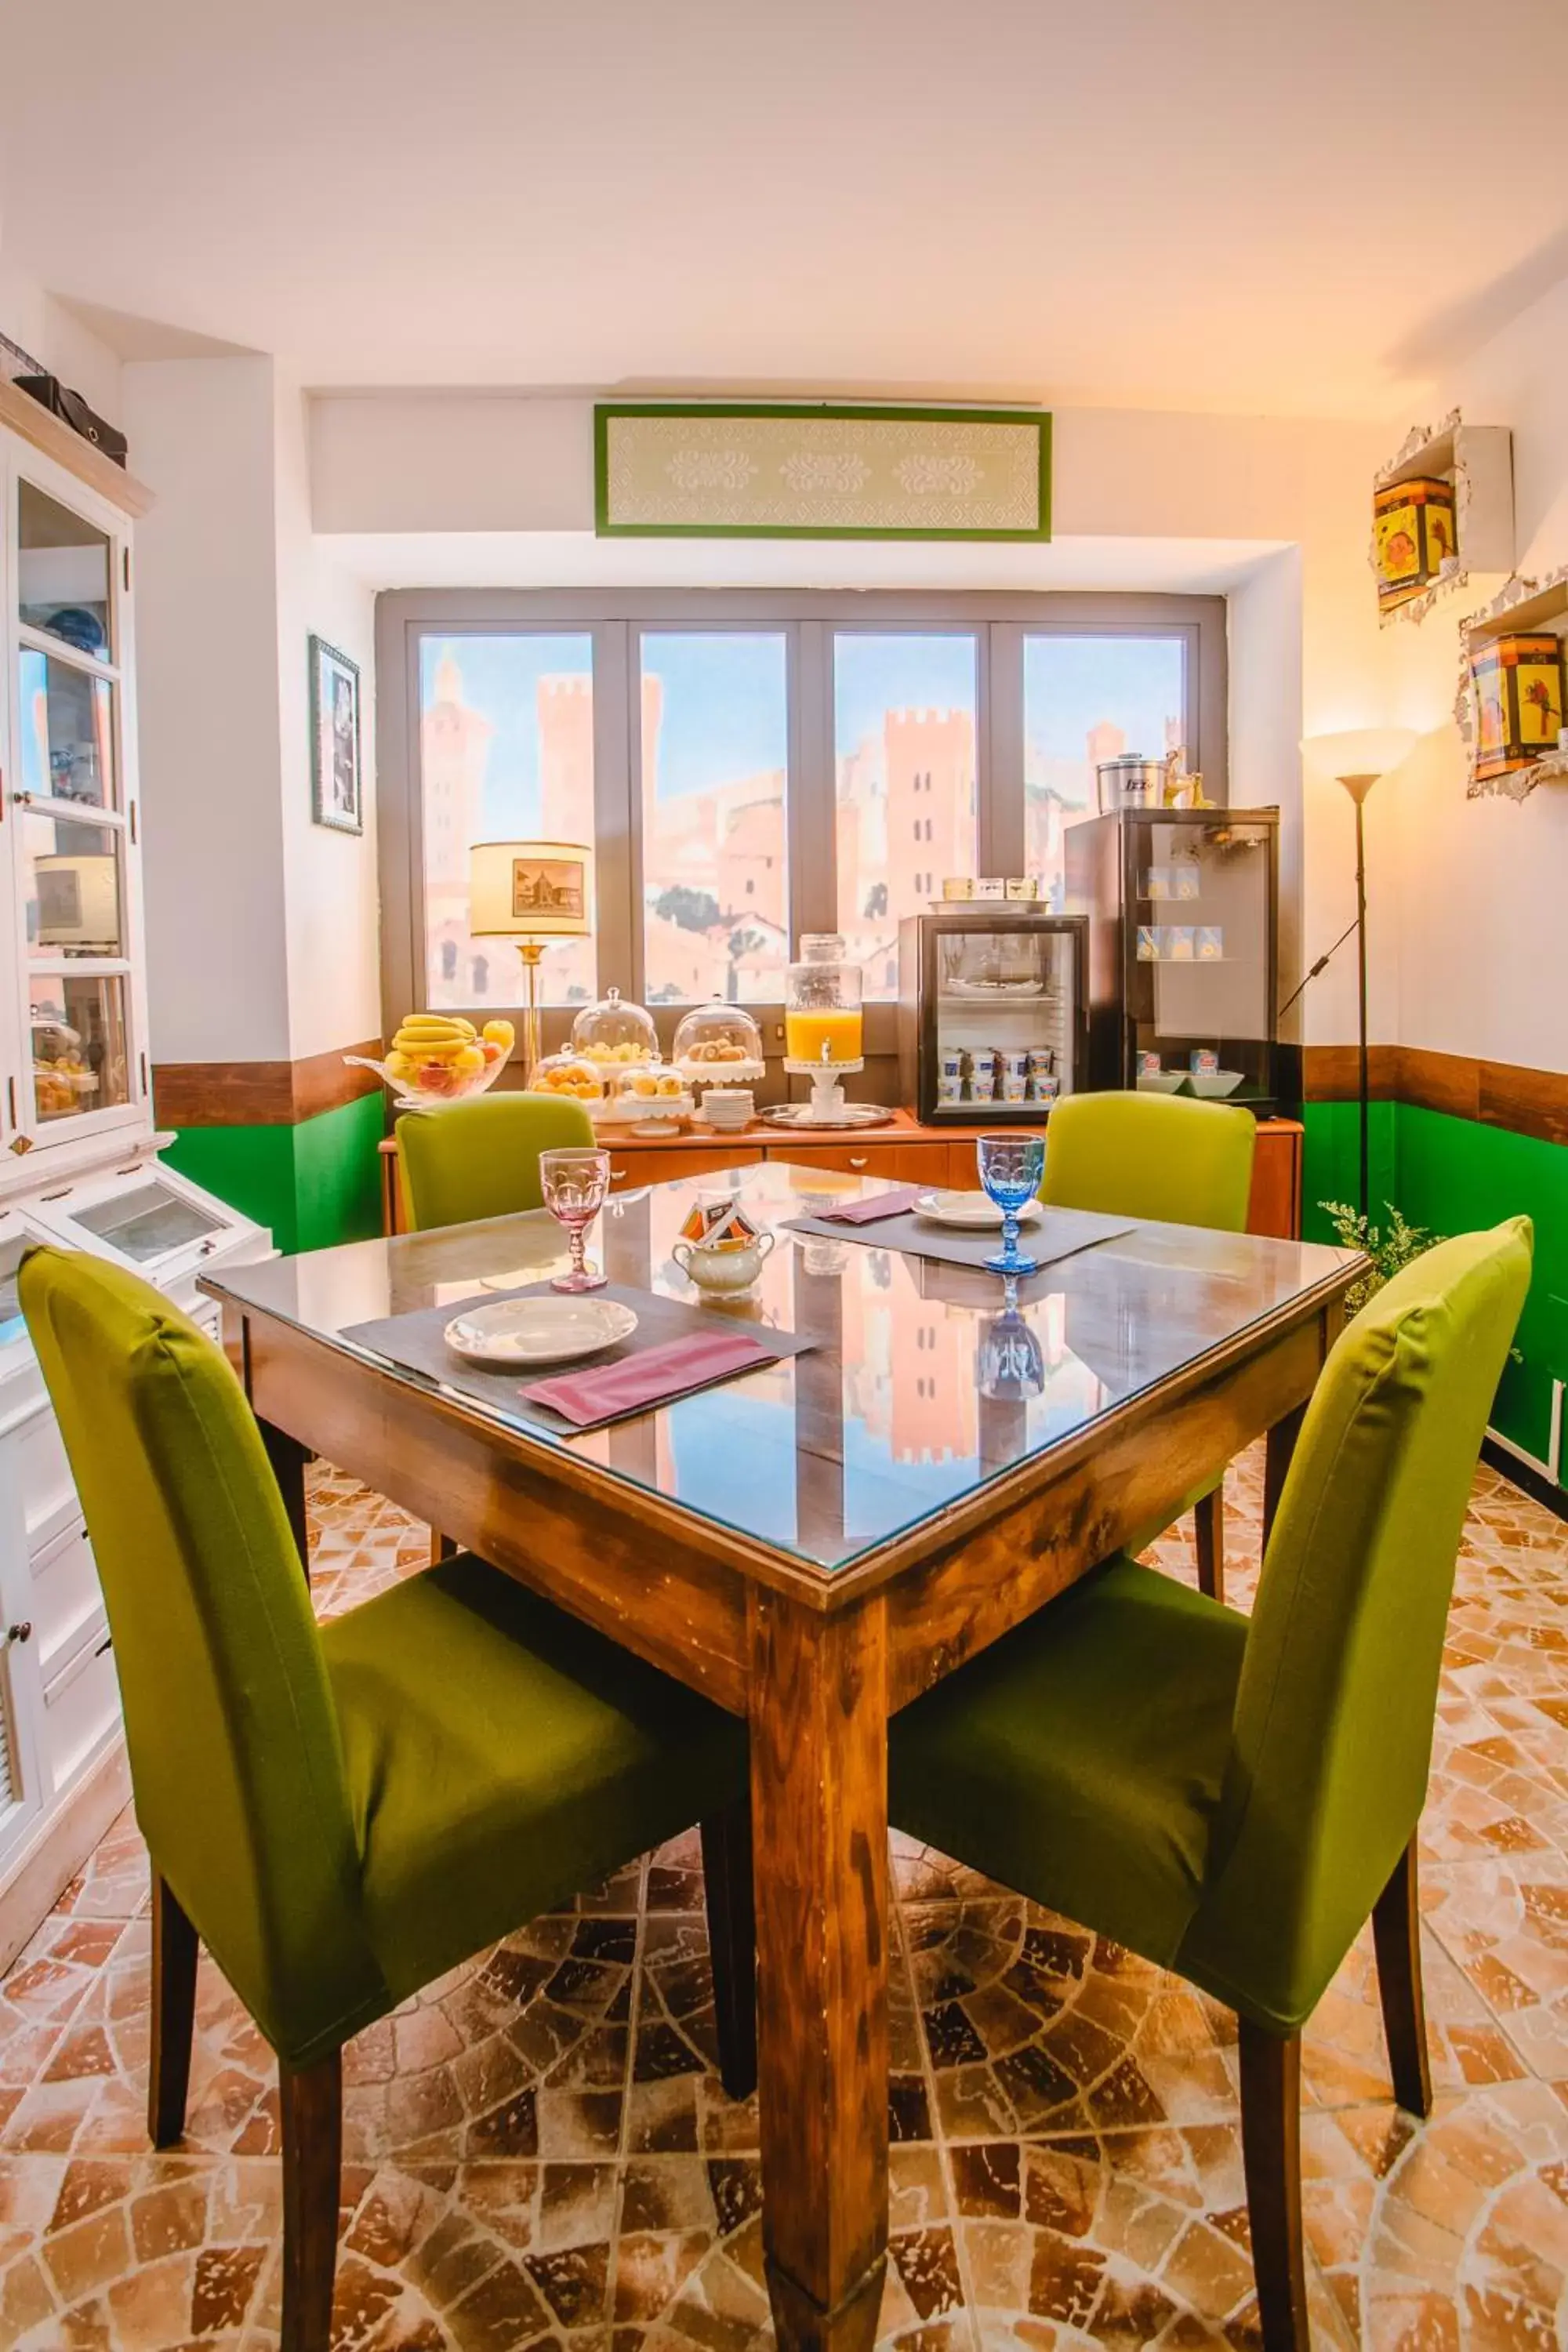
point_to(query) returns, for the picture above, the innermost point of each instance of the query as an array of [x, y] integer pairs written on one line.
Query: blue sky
[[724, 713]]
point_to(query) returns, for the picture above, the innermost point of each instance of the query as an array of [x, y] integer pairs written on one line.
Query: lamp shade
[[1364, 752], [530, 889]]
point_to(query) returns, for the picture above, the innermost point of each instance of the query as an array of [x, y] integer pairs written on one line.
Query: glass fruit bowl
[[438, 1058]]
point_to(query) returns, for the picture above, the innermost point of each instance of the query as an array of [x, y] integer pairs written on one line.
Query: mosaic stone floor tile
[[540, 2157]]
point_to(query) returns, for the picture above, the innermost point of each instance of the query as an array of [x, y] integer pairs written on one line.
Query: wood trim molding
[[34, 422], [259, 1093], [1494, 1094]]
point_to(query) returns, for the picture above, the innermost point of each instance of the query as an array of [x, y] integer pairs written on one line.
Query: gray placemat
[[414, 1344], [1058, 1233]]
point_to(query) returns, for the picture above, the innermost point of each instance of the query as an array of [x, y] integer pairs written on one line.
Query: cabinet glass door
[[73, 844], [1201, 954], [1004, 1016]]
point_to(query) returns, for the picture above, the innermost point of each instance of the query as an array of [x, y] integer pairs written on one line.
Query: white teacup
[[713, 1266]]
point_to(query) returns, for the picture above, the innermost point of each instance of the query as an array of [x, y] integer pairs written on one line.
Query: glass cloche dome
[[616, 1034], [569, 1074], [718, 1045]]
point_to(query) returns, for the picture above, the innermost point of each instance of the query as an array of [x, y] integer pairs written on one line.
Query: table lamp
[[530, 892], [1356, 759]]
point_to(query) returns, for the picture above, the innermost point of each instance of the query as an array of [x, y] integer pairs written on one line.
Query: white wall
[[1483, 938], [261, 925], [416, 487], [46, 329], [208, 690], [330, 878]]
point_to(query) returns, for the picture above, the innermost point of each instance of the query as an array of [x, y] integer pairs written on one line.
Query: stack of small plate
[[728, 1109]]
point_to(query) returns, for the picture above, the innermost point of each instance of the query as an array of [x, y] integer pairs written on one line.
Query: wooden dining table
[[813, 1545]]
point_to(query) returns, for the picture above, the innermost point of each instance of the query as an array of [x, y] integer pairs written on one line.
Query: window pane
[[715, 753], [1088, 698], [79, 1057], [903, 728], [62, 572], [506, 754], [68, 732], [71, 887]]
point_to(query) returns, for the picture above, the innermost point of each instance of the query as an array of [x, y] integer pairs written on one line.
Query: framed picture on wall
[[336, 785]]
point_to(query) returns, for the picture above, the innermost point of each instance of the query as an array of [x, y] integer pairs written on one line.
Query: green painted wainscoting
[[313, 1184], [1453, 1175]]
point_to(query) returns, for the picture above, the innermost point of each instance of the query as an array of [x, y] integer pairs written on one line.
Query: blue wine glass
[[1012, 1366], [1010, 1166]]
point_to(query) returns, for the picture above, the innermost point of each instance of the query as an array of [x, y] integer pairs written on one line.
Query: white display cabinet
[[78, 1158]]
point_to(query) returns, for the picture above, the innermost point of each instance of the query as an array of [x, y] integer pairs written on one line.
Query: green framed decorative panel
[[708, 470]]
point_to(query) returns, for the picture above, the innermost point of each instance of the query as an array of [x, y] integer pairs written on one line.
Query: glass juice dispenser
[[824, 1024], [993, 1021]]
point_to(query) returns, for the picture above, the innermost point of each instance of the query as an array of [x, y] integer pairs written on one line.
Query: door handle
[[21, 1632]]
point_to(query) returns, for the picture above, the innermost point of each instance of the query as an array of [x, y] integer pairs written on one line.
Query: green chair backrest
[[1332, 1733], [1144, 1155], [480, 1159], [236, 1759]]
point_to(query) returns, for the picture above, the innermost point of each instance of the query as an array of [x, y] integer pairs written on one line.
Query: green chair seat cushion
[[491, 1779], [1080, 1760]]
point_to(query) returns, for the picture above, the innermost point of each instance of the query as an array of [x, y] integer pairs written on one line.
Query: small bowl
[[1214, 1084], [1161, 1082]]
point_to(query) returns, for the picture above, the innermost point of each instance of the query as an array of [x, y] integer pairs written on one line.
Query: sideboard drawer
[[630, 1168], [896, 1163]]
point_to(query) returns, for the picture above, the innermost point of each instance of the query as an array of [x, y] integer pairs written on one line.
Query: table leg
[[1279, 1446], [819, 1815], [289, 1458]]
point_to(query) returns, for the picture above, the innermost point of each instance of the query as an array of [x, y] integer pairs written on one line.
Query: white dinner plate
[[538, 1331], [970, 1211]]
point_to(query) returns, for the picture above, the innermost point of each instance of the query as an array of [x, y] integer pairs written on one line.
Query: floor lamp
[[1356, 760], [530, 892]]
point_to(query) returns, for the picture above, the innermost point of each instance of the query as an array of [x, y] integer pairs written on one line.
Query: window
[[714, 752], [748, 764], [905, 709], [1087, 699], [506, 754]]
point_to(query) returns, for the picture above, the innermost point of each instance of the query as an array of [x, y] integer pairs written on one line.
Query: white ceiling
[[1286, 205]]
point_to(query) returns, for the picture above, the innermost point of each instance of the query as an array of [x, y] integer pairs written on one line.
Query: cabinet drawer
[[896, 1163], [48, 1494], [80, 1706], [632, 1168], [67, 1601]]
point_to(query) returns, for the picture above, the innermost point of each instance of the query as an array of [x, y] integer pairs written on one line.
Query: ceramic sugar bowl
[[719, 1249]]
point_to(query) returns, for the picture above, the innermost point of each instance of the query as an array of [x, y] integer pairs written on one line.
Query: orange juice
[[805, 1033]]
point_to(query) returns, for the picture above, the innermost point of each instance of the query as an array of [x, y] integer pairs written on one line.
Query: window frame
[[617, 620]]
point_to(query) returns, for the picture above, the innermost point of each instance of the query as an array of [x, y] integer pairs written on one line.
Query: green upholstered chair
[[342, 1812], [480, 1159], [1233, 1800], [1174, 1161]]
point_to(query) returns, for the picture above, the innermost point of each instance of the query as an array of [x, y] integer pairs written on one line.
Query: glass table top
[[920, 1389]]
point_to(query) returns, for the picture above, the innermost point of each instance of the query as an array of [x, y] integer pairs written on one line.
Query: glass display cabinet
[[1182, 910], [991, 1013], [79, 1158]]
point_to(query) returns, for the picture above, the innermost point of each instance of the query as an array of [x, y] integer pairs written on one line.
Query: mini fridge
[[993, 1013], [1183, 908]]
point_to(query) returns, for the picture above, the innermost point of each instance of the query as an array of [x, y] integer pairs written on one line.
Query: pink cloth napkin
[[650, 1378], [867, 1213]]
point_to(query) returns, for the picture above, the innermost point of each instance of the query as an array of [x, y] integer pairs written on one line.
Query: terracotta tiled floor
[[539, 2152]]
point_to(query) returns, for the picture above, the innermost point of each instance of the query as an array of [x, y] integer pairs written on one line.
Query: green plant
[[1388, 1251]]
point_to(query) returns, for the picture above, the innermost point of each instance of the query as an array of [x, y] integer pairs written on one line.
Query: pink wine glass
[[575, 1184]]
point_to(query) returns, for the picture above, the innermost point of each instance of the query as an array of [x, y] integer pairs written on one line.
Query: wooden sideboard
[[903, 1151]]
